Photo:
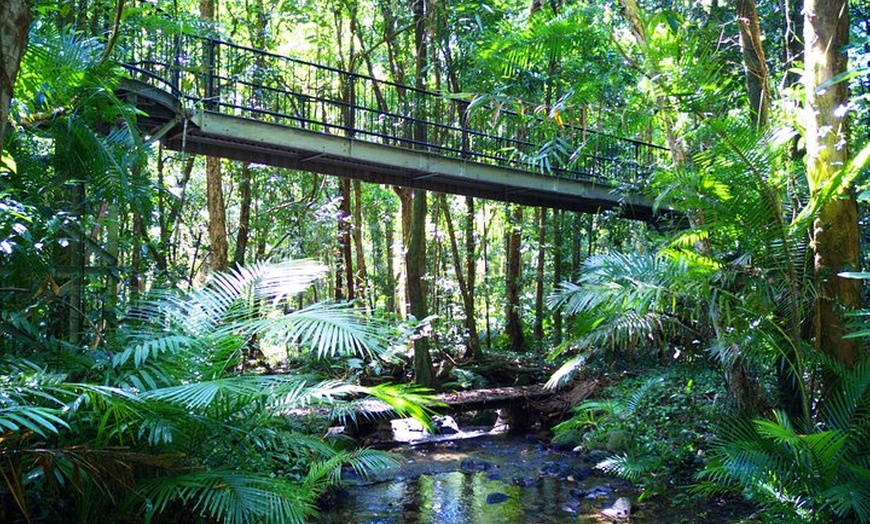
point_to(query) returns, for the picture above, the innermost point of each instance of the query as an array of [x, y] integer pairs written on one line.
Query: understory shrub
[[655, 425]]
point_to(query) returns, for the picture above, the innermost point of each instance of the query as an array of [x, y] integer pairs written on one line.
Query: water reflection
[[480, 497], [490, 479]]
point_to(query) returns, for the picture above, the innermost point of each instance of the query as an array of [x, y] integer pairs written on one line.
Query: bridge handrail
[[391, 83], [240, 80]]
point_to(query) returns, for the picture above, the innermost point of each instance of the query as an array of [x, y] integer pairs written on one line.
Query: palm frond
[[327, 329], [364, 462], [628, 467], [407, 401], [231, 497]]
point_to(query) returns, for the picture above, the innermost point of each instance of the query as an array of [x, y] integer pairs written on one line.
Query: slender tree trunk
[[258, 28], [471, 342], [415, 265], [344, 238], [77, 258], [757, 80], [217, 219], [244, 234], [793, 30], [514, 327], [14, 26], [217, 215], [557, 272], [835, 230], [576, 245], [631, 12], [486, 296], [134, 279], [113, 247], [539, 277], [173, 210], [361, 272], [471, 280], [391, 280], [406, 203]]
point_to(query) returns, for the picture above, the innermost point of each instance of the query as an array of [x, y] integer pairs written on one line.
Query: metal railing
[[240, 81]]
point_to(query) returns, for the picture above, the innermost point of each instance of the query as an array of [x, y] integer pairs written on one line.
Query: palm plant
[[177, 426], [746, 266], [75, 149], [737, 282], [637, 301], [816, 473]]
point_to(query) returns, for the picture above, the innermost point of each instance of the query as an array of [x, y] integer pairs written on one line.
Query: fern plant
[[170, 422], [652, 428], [819, 473]]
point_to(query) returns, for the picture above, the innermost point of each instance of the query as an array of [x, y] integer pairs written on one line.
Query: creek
[[482, 477]]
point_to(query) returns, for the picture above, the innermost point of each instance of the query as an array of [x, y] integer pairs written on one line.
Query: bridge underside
[[220, 135]]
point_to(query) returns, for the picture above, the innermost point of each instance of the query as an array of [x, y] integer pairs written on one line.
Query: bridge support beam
[[279, 145]]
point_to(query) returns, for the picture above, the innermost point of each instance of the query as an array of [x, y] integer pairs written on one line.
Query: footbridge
[[208, 96]]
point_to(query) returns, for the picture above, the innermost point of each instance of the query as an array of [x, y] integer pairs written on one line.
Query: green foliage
[[175, 426], [655, 425], [631, 304], [819, 473]]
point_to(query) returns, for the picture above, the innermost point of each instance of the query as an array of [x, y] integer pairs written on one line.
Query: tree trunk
[[557, 272], [357, 230], [344, 238], [539, 277], [576, 245], [391, 280], [471, 343], [835, 230], [14, 26], [217, 218], [514, 327], [258, 33], [415, 262], [244, 234], [631, 12], [757, 87], [471, 280], [484, 241], [406, 203], [415, 265], [217, 215]]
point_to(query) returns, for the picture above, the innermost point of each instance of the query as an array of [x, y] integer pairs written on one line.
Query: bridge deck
[[211, 97]]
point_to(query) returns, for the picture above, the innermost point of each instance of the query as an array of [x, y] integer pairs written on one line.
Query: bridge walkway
[[212, 97]]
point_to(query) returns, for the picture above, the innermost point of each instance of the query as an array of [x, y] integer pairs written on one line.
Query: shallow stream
[[493, 478]]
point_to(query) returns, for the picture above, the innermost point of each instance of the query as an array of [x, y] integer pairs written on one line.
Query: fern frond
[[231, 497]]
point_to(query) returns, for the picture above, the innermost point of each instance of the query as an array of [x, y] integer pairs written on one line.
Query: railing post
[[210, 87], [350, 107], [175, 64], [419, 115], [463, 121]]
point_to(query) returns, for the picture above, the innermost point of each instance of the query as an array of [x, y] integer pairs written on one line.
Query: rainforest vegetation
[[180, 330]]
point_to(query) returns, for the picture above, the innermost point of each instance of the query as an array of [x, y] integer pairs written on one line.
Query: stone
[[596, 455], [524, 482], [567, 440], [470, 464], [618, 441], [621, 509], [599, 492], [496, 498], [578, 493], [445, 425]]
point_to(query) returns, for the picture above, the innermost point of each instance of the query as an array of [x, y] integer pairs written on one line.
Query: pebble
[[496, 498]]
